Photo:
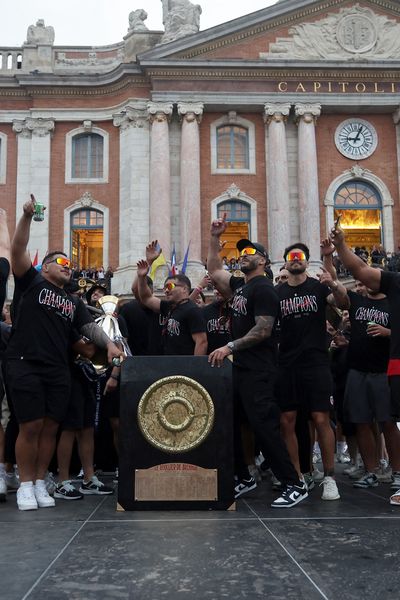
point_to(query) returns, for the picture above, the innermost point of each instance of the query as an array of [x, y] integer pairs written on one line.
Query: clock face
[[356, 139]]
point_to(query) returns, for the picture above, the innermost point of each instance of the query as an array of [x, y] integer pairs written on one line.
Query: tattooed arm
[[261, 331]]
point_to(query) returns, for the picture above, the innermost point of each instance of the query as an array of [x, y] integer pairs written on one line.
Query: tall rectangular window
[[87, 156], [232, 147]]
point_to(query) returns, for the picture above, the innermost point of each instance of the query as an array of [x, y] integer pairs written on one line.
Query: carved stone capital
[[38, 127], [277, 112], [191, 111], [130, 118], [307, 112], [159, 111]]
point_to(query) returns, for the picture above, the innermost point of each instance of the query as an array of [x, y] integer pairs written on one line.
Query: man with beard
[[254, 310], [387, 283], [37, 371], [304, 381]]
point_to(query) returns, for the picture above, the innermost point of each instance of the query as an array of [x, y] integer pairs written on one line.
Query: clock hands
[[357, 136]]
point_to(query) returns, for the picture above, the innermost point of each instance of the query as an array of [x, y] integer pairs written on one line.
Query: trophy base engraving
[[176, 481]]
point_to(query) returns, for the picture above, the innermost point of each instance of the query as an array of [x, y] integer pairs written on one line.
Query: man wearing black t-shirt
[[217, 316], [184, 332], [387, 283], [254, 308], [367, 394], [4, 272], [304, 381], [37, 358]]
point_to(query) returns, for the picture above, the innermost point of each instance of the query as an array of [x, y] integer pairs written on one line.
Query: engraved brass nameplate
[[176, 481]]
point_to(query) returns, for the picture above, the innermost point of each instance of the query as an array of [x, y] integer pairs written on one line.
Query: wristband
[[114, 377]]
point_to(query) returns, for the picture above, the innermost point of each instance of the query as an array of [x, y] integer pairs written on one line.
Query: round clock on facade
[[356, 139]]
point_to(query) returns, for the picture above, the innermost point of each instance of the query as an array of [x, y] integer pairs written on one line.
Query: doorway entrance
[[360, 207], [87, 239], [238, 225]]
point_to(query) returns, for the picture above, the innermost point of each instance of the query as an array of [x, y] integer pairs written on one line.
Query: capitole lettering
[[339, 87]]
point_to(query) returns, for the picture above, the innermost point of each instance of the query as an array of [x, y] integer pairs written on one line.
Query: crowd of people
[[315, 366]]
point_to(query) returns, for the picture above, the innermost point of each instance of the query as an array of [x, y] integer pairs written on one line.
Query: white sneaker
[[3, 486], [43, 498], [329, 487], [12, 481], [26, 499], [384, 475]]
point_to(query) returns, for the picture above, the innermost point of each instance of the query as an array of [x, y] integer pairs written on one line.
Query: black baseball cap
[[96, 286], [243, 243]]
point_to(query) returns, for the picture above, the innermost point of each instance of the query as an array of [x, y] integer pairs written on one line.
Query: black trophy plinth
[[151, 478]]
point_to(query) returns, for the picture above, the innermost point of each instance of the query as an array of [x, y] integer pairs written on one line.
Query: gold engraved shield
[[176, 414]]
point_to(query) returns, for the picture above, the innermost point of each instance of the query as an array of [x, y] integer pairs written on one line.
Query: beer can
[[38, 215]]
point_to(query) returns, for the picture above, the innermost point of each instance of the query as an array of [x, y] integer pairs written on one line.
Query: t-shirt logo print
[[173, 327], [64, 306], [373, 315], [299, 304], [239, 304]]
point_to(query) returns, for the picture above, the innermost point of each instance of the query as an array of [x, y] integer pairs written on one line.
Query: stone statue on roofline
[[136, 20], [40, 34], [180, 18]]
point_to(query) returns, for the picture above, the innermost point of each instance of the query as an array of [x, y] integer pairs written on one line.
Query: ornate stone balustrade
[[11, 60]]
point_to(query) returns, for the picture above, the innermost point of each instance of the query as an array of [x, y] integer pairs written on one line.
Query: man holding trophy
[[37, 357]]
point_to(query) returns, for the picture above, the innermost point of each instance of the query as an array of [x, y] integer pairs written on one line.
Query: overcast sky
[[98, 22]]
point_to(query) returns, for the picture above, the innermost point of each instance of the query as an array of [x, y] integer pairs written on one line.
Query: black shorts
[[109, 404], [367, 397], [38, 390], [394, 384], [81, 410], [309, 388]]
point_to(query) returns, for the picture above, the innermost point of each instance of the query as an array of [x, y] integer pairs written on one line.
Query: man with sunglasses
[[254, 310], [304, 380], [184, 332], [37, 358]]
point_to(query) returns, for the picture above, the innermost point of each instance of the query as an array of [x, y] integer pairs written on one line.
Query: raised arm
[[219, 276], [327, 249], [20, 259], [145, 295], [153, 251], [357, 267]]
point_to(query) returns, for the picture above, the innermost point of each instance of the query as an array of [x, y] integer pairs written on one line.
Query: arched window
[[359, 205], [87, 238], [235, 210], [357, 195], [232, 147], [87, 156]]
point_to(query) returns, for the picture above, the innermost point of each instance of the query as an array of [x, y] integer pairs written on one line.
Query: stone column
[[309, 208], [190, 205], [133, 191], [160, 176], [33, 176], [275, 116]]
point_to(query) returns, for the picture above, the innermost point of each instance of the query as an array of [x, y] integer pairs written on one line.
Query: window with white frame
[[233, 145], [3, 157], [86, 156]]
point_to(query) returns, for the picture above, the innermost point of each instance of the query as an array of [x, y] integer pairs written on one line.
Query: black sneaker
[[95, 486], [66, 491], [291, 495], [244, 486]]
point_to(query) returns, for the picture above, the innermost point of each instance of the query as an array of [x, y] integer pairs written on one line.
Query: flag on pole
[[173, 270], [185, 259], [36, 259], [160, 260]]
